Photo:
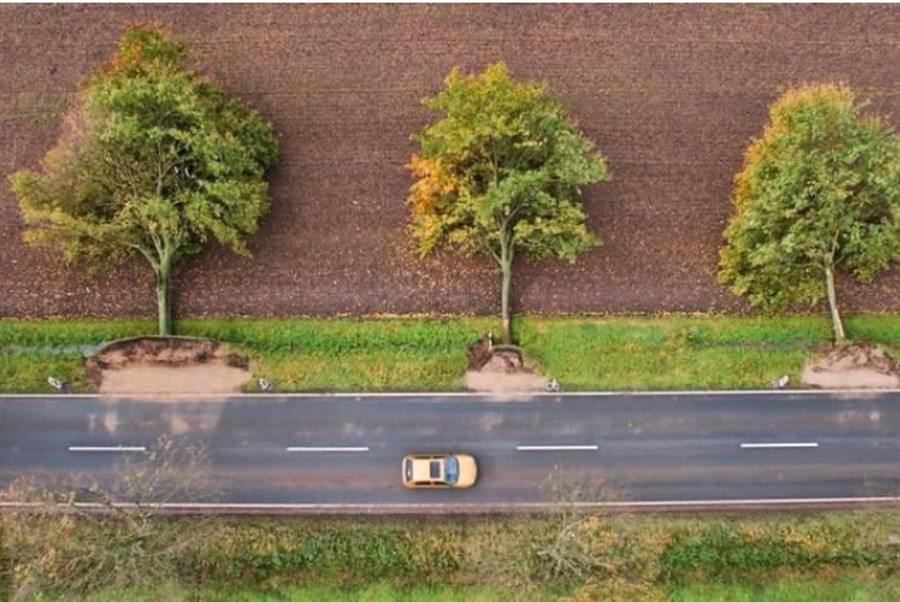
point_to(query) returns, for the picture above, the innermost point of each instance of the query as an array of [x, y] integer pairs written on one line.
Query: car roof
[[422, 468]]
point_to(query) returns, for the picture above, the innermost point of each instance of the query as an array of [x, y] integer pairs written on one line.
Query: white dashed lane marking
[[777, 445]]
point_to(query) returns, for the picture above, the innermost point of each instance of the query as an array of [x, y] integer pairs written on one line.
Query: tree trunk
[[506, 271], [836, 323], [162, 298]]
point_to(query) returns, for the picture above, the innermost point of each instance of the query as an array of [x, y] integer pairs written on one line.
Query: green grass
[[850, 587], [40, 333], [354, 371], [28, 372], [847, 587], [351, 354], [262, 558], [422, 353], [716, 548], [671, 352], [379, 592]]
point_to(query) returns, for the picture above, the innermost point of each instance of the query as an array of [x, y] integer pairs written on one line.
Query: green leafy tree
[[502, 173], [819, 192], [156, 160]]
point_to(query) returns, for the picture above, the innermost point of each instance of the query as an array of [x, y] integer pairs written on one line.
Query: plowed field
[[671, 94]]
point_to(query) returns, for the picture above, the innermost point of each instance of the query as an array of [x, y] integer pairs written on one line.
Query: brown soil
[[505, 371], [503, 382], [505, 361], [167, 365], [211, 377], [856, 366]]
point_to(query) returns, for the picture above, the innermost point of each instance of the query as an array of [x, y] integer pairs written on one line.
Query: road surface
[[334, 452]]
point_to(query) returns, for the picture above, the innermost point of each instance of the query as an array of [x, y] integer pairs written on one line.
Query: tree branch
[[492, 252], [146, 253]]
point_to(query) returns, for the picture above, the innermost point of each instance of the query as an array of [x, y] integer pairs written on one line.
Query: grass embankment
[[843, 588], [32, 350], [571, 558], [427, 354], [380, 592]]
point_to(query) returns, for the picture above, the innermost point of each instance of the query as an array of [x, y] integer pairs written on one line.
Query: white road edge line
[[426, 395], [556, 448], [117, 448], [776, 445], [326, 449], [457, 506]]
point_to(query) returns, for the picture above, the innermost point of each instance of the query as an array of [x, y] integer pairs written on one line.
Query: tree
[[500, 173], [819, 192], [154, 159]]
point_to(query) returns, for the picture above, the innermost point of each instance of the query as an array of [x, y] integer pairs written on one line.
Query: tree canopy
[[500, 173], [818, 192], [154, 159]]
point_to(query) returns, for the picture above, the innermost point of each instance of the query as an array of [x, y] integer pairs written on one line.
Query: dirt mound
[[479, 352], [505, 360], [167, 365], [860, 365], [502, 370]]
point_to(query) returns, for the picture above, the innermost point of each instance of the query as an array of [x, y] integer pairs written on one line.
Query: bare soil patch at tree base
[[505, 372], [505, 383], [854, 366], [167, 365]]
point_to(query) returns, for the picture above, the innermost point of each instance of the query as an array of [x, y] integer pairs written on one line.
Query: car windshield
[[451, 469]]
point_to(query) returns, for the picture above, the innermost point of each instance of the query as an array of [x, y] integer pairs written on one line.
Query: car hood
[[468, 471]]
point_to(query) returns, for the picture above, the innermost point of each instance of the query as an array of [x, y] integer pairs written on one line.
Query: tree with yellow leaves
[[502, 173], [819, 192]]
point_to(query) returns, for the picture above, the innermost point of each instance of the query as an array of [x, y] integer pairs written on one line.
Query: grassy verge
[[846, 587], [380, 592], [568, 558], [852, 586], [32, 350], [615, 353]]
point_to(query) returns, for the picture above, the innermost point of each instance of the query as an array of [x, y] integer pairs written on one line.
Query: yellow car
[[439, 471]]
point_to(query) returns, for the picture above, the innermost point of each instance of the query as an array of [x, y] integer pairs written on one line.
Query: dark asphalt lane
[[649, 447]]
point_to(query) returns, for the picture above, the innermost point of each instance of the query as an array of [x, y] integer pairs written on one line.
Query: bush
[[52, 552]]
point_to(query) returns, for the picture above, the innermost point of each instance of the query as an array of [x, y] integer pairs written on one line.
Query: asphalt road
[[321, 451]]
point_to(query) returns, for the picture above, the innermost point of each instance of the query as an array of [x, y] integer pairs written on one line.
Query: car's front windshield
[[451, 469]]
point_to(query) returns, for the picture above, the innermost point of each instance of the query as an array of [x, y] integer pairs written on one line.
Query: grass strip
[[377, 592], [429, 353], [852, 586], [572, 556]]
